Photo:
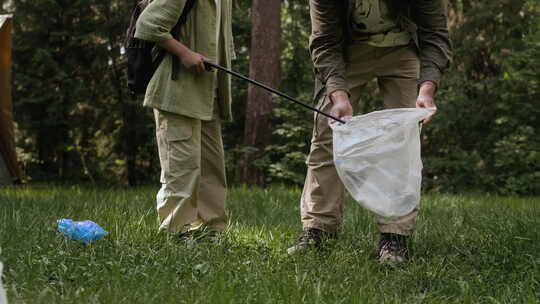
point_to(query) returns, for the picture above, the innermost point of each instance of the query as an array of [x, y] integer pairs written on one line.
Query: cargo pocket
[[182, 150], [177, 150], [178, 128]]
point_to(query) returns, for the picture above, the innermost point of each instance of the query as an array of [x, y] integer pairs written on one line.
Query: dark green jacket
[[331, 33]]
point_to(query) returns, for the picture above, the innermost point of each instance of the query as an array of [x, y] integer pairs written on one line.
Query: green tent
[[9, 168]]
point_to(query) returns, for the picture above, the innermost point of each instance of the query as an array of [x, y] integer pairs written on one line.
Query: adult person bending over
[[188, 112], [405, 46]]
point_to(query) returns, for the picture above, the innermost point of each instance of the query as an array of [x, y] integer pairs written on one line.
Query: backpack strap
[[175, 31]]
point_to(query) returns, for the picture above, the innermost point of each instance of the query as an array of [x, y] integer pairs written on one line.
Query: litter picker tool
[[210, 65]]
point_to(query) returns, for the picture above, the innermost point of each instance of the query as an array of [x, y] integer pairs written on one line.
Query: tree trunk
[[265, 67]]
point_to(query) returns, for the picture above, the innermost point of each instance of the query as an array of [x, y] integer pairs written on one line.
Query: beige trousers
[[192, 173], [396, 70]]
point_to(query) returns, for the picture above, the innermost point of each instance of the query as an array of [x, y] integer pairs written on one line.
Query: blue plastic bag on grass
[[84, 231]]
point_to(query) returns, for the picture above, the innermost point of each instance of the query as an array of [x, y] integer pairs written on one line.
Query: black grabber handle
[[210, 65]]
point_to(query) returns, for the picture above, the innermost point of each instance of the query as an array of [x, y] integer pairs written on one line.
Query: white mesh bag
[[377, 157]]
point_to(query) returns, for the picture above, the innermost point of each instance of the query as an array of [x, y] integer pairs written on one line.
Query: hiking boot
[[200, 235], [311, 238], [185, 236], [392, 248], [210, 236]]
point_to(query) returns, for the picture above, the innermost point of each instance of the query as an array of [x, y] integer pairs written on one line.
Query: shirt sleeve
[[326, 43], [433, 38], [157, 20]]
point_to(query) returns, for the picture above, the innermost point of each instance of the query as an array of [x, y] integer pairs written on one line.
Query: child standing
[[188, 112]]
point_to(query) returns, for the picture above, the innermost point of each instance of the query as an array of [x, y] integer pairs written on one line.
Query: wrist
[[183, 52], [427, 88], [339, 96]]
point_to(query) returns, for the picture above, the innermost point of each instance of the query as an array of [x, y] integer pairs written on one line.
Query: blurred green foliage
[[486, 135], [76, 122]]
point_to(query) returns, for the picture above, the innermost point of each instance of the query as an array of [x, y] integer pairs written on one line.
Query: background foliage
[[75, 120], [486, 134]]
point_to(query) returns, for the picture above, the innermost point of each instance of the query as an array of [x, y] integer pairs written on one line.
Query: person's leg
[[321, 205], [397, 75], [179, 148], [213, 186], [322, 197]]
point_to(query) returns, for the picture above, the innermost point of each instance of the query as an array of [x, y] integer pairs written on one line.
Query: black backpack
[[140, 62]]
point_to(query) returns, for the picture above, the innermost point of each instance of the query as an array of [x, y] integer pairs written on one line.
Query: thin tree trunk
[[265, 67]]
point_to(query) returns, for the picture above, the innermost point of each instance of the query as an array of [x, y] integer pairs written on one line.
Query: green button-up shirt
[[192, 94], [331, 33]]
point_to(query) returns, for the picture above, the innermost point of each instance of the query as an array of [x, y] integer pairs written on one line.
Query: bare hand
[[425, 98], [193, 61], [341, 107], [190, 59]]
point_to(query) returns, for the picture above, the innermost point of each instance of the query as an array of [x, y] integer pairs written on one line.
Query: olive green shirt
[[426, 20], [375, 22], [192, 94]]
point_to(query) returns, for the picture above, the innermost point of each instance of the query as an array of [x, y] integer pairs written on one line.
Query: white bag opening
[[377, 157]]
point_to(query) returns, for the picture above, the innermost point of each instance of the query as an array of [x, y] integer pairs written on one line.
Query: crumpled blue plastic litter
[[81, 231]]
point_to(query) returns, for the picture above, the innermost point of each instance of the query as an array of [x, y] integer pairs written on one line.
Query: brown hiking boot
[[311, 238], [392, 248]]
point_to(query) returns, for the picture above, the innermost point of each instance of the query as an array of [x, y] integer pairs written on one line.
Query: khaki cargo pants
[[192, 173], [396, 70]]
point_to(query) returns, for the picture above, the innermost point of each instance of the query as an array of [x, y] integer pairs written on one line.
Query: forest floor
[[467, 249]]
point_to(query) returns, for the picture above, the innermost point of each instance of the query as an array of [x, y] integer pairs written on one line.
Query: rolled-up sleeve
[[157, 20], [433, 38], [326, 43]]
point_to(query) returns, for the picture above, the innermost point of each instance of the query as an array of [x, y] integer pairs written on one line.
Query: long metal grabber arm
[[213, 65]]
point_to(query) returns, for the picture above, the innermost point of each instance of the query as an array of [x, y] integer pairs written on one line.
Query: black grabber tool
[[210, 65]]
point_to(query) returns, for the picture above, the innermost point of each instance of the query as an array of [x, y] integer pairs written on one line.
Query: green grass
[[467, 249]]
